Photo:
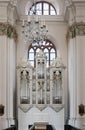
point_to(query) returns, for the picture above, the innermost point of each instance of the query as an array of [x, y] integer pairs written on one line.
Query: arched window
[[43, 8], [47, 47]]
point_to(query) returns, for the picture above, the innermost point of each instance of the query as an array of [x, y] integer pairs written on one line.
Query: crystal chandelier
[[33, 31]]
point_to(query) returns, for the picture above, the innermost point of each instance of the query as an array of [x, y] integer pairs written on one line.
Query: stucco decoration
[[77, 29], [8, 30]]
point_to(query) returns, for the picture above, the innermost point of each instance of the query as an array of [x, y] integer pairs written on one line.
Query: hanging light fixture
[[32, 30]]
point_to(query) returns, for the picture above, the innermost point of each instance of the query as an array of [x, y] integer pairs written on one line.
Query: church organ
[[40, 86]]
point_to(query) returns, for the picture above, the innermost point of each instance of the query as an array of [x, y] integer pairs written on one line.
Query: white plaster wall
[[47, 115], [56, 33]]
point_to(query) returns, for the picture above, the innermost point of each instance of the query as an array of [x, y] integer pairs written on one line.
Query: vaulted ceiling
[[60, 5], [24, 5]]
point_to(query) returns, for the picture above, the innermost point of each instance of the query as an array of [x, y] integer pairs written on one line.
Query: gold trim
[[76, 29], [8, 30]]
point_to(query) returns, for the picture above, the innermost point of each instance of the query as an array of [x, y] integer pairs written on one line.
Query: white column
[[7, 81], [76, 62], [72, 80], [3, 80], [76, 72], [7, 68], [11, 95], [80, 42]]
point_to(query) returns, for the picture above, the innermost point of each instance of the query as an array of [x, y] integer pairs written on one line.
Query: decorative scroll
[[77, 29], [8, 30]]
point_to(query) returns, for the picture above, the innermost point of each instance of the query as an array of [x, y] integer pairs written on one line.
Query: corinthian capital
[[13, 2]]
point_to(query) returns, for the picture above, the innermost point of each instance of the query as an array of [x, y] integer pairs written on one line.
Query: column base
[[77, 122], [6, 122]]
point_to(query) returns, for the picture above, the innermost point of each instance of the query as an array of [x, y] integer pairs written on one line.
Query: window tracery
[[47, 47], [43, 8]]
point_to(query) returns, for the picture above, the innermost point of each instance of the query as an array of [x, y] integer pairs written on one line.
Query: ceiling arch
[[24, 5]]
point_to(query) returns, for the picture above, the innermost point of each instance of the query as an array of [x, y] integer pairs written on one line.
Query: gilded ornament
[[8, 30], [77, 29]]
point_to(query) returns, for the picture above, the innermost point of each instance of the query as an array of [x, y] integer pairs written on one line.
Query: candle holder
[[1, 110], [81, 109]]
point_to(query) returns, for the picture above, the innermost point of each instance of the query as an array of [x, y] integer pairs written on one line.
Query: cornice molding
[[55, 18]]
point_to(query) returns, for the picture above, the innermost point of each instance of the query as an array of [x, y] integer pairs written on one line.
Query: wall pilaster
[[76, 62], [8, 37]]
